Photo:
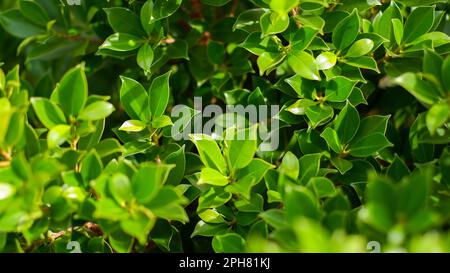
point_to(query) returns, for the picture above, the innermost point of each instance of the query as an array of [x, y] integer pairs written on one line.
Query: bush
[[99, 103]]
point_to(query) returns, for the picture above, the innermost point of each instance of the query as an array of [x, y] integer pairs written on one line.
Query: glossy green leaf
[[159, 93], [71, 93], [346, 31]]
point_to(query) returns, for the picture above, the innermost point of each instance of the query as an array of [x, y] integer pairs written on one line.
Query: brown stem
[[233, 8], [6, 155]]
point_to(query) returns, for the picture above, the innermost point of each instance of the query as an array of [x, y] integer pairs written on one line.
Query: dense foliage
[[88, 158]]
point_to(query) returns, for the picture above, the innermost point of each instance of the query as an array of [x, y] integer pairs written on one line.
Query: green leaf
[[168, 205], [72, 91], [228, 243], [275, 218], [339, 89], [254, 204], [146, 17], [273, 23], [372, 125], [178, 50], [346, 123], [319, 114], [300, 202], [97, 110], [133, 126], [341, 164], [120, 188], [178, 159], [368, 145], [123, 20], [161, 122], [216, 52], [397, 27], [204, 229], [346, 31], [18, 25], [437, 116], [326, 60], [322, 187], [268, 61], [382, 23], [209, 152], [309, 167], [289, 166], [418, 22], [299, 107], [212, 177], [58, 135], [145, 57], [381, 204], [445, 72], [332, 139], [398, 169], [360, 48], [148, 180], [248, 20], [34, 12], [139, 226], [134, 99], [242, 145], [363, 62], [121, 241], [283, 6], [242, 187], [48, 112], [159, 95], [422, 90], [304, 64], [122, 42], [211, 216], [257, 45], [91, 166], [163, 9], [213, 198]]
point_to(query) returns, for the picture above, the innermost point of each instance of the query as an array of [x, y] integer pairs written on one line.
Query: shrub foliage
[[87, 152]]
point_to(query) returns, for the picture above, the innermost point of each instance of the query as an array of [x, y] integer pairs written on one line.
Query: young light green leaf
[[242, 144], [58, 135], [273, 23], [209, 152], [161, 122], [360, 48], [397, 27], [97, 110], [212, 177], [48, 112], [304, 64], [326, 60], [133, 126]]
